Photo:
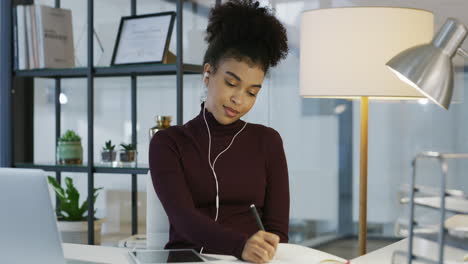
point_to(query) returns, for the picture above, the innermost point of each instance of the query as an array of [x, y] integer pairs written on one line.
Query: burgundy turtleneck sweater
[[252, 171]]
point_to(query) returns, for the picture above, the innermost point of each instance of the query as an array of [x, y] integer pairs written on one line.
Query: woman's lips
[[230, 112]]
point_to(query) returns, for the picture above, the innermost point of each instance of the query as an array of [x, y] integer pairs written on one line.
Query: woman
[[209, 171]]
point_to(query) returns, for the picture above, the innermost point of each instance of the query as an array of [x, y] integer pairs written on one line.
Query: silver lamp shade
[[428, 67]]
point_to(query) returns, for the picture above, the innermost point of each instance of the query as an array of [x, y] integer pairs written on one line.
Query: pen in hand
[[257, 217], [253, 209]]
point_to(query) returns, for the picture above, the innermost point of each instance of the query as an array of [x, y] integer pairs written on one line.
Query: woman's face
[[232, 90]]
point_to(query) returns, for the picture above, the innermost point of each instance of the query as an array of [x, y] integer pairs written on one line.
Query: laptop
[[28, 227]]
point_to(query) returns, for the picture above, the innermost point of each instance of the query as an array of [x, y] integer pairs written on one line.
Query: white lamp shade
[[344, 50]]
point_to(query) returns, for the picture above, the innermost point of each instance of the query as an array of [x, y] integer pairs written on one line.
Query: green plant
[[69, 208], [69, 136], [108, 146], [128, 147]]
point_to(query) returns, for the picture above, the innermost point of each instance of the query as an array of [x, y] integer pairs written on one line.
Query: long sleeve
[[276, 208], [172, 189]]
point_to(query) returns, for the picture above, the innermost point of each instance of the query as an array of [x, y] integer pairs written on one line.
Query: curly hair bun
[[243, 29]]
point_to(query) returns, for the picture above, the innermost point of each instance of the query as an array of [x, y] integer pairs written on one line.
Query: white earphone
[[214, 162]]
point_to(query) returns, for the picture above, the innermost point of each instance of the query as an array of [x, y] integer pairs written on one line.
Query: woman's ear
[[206, 73]]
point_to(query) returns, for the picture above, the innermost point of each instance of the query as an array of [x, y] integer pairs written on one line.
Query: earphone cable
[[214, 162]]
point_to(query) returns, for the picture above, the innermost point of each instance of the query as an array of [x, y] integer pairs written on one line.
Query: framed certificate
[[143, 39]]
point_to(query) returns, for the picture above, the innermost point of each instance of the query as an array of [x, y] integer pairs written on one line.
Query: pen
[[253, 209], [257, 217]]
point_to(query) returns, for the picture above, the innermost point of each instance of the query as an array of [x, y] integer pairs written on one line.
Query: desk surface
[[96, 253], [287, 253]]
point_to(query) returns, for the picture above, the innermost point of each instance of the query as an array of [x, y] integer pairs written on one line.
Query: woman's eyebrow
[[239, 79]]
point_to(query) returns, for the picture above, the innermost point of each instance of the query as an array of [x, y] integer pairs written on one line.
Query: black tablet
[[145, 256]]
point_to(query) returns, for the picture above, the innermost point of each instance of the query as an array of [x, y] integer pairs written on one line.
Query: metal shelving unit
[[142, 169], [442, 199], [113, 71], [90, 72]]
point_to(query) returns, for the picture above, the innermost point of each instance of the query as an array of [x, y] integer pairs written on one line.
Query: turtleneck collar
[[216, 127]]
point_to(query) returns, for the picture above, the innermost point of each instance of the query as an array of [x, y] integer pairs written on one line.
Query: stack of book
[[43, 37]]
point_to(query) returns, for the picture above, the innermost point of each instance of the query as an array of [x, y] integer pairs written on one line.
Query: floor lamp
[[343, 52]]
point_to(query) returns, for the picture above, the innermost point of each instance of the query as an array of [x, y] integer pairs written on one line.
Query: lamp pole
[[363, 176]]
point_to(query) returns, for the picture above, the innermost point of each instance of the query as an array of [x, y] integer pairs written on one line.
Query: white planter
[[77, 232]]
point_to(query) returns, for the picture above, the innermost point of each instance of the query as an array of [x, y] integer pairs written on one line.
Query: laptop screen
[[28, 225]]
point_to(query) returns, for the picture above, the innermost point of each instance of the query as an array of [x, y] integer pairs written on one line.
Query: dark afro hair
[[242, 30]]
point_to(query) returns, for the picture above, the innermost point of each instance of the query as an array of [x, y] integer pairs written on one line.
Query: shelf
[[146, 69], [53, 167], [455, 205], [111, 71], [141, 169], [64, 73], [451, 241], [400, 256], [431, 232], [404, 229], [431, 191]]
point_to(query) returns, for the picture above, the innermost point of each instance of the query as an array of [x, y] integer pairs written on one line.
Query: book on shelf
[[43, 37], [28, 29], [15, 40], [34, 41], [20, 41]]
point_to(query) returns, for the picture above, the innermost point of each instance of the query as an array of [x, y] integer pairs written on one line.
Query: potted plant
[[73, 218], [69, 149], [108, 153], [128, 154]]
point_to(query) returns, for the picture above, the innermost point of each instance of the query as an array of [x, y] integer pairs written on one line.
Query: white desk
[[96, 253], [287, 253]]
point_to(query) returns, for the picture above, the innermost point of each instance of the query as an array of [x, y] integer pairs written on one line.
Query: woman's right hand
[[261, 247]]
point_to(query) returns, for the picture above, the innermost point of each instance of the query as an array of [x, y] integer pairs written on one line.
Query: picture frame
[[144, 39]]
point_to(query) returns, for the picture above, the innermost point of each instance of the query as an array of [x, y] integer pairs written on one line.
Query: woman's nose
[[236, 98]]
